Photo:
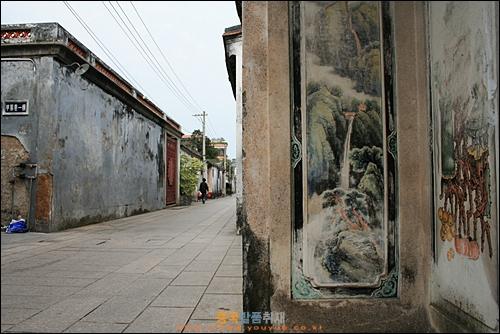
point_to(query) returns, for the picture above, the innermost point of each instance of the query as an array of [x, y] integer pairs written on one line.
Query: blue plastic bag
[[17, 226]]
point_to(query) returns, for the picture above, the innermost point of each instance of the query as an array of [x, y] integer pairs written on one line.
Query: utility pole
[[203, 145]]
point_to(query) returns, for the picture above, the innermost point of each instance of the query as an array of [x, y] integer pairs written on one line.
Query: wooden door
[[171, 179]]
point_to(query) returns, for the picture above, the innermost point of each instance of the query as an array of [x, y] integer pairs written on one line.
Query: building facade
[[232, 39], [80, 145], [374, 130]]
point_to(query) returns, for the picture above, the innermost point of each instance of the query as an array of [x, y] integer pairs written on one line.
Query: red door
[[171, 184]]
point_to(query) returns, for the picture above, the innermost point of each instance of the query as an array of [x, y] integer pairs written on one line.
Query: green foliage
[[372, 104], [230, 169], [353, 105], [336, 90], [219, 140], [367, 130], [358, 61], [313, 87], [361, 158], [372, 182], [211, 152], [196, 142], [189, 169]]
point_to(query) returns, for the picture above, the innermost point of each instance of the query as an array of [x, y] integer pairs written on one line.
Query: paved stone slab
[[193, 245], [217, 248], [232, 259], [48, 281], [211, 326], [186, 253], [226, 285], [203, 265], [7, 275], [160, 320], [160, 252], [188, 278], [5, 328], [140, 266], [146, 287], [176, 261], [210, 304], [147, 273], [96, 327], [13, 316], [162, 271], [109, 285], [119, 309], [60, 316], [83, 267], [17, 289], [211, 256], [180, 296], [233, 270], [203, 239], [28, 302]]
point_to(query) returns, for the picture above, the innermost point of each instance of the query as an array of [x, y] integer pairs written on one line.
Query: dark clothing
[[203, 187], [204, 191]]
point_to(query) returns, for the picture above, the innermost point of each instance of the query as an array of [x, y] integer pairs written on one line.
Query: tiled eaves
[[51, 39]]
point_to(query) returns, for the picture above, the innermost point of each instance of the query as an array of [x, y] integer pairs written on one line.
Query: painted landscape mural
[[345, 230], [464, 75]]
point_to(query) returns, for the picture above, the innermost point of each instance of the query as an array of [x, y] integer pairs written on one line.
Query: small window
[[15, 107]]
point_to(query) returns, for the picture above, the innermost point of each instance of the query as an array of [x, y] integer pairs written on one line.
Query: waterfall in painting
[[344, 175]]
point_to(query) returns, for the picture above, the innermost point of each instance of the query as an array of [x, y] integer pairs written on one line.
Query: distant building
[[213, 170], [233, 42], [221, 148]]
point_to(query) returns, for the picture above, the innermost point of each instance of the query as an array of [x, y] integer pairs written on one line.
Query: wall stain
[[257, 285]]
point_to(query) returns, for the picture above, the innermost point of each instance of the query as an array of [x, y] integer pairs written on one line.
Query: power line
[[164, 56], [171, 86], [102, 46], [150, 61], [210, 123], [155, 65]]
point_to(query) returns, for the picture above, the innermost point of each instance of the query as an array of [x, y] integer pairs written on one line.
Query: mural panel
[[464, 79], [344, 233]]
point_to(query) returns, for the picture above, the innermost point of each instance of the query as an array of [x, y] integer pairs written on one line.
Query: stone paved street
[[174, 270]]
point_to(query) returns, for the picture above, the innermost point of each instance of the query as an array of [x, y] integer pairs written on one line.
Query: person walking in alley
[[204, 190]]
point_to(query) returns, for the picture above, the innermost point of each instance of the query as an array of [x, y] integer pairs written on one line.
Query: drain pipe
[[22, 175], [13, 182], [28, 220]]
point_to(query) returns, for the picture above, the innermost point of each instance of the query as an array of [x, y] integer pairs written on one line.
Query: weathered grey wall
[[97, 158], [19, 138]]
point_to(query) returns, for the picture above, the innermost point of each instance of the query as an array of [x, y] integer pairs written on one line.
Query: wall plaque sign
[[15, 107]]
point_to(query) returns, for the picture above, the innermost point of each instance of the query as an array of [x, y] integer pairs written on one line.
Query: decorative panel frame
[[344, 151]]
